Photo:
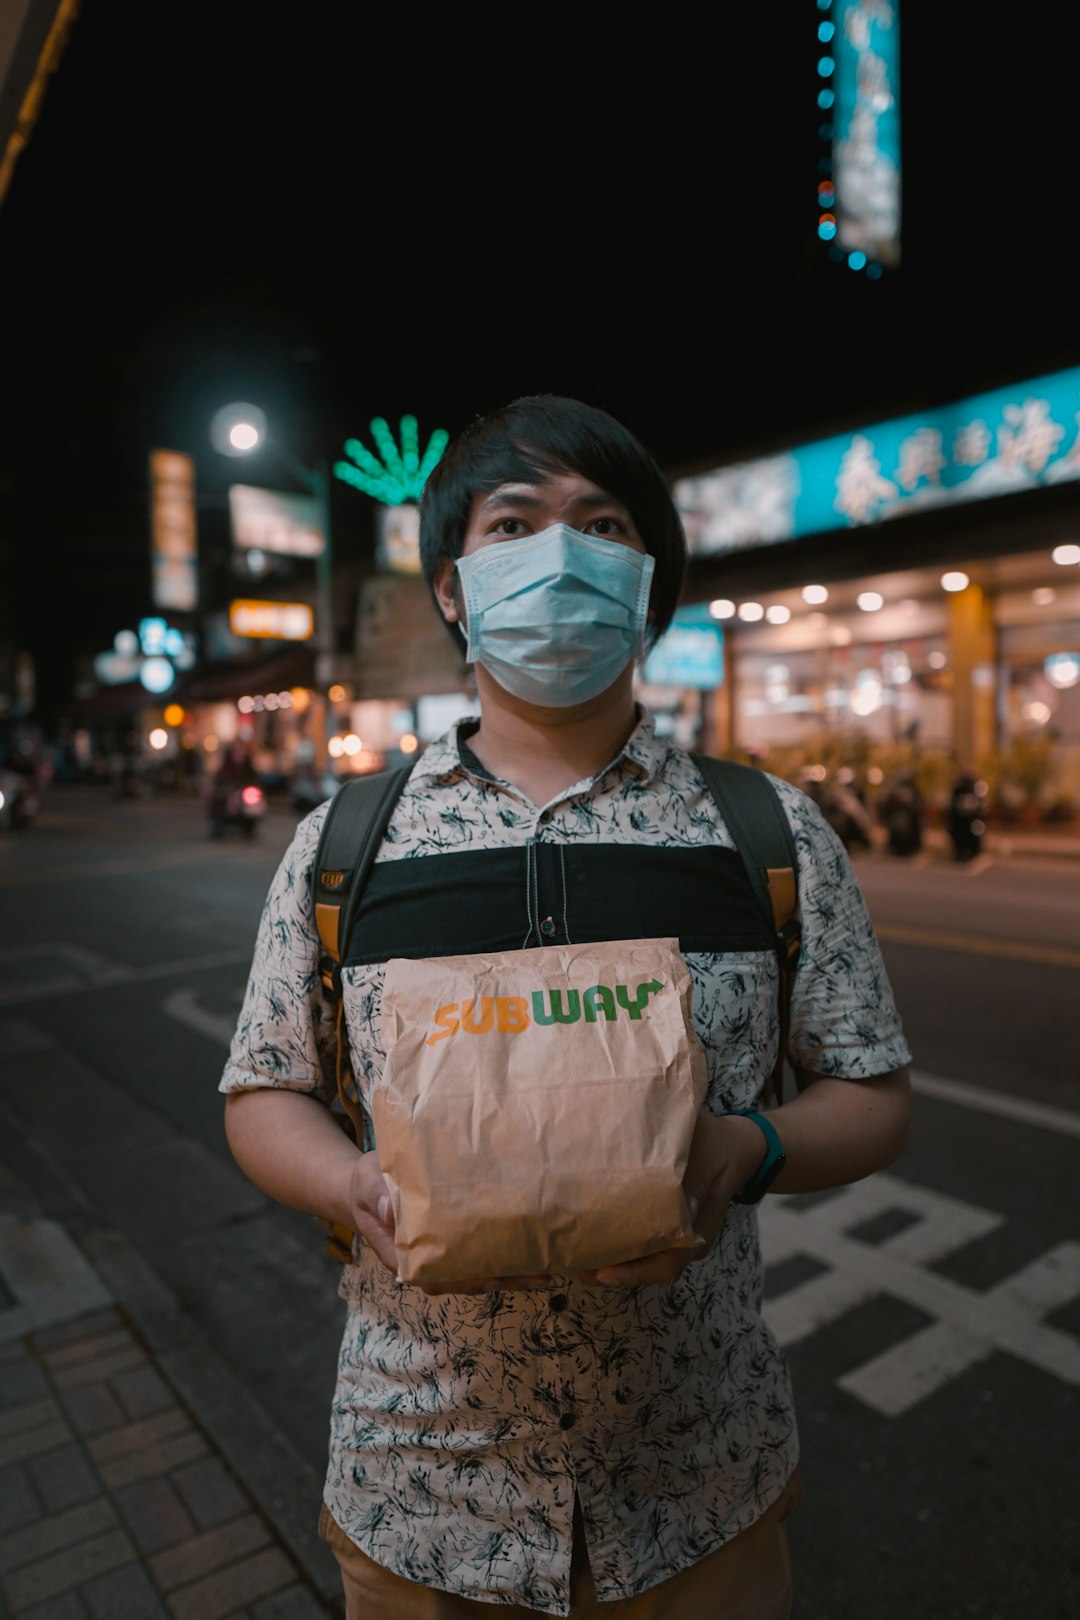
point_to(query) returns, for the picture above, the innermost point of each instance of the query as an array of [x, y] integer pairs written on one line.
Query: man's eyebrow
[[521, 499]]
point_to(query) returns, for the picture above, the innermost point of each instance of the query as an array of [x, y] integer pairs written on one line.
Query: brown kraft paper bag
[[536, 1108]]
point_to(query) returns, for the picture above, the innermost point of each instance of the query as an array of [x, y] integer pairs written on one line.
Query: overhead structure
[[33, 34]]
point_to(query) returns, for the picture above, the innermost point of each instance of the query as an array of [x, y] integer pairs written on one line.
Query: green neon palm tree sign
[[402, 472]]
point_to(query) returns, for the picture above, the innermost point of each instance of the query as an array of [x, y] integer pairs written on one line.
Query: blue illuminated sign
[[689, 653], [866, 130], [1019, 438]]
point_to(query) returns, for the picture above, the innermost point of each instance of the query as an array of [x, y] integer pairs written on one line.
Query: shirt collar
[[643, 750]]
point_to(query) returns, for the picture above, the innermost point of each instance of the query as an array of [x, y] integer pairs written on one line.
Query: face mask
[[556, 617]]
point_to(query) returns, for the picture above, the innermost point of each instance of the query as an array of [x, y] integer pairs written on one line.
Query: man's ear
[[447, 594]]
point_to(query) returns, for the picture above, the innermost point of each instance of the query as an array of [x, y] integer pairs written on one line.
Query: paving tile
[[21, 1381], [210, 1493], [138, 1436], [88, 1347], [124, 1594], [63, 1478], [93, 1409], [33, 1442], [82, 1327], [56, 1532], [29, 1415], [192, 1559], [293, 1603], [142, 1392], [158, 1459], [103, 1367], [19, 1502], [218, 1595], [68, 1606], [154, 1514], [48, 1577]]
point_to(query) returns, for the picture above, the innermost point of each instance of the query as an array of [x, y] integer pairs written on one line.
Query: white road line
[[996, 1102], [94, 972], [183, 1005], [923, 1363], [968, 1325]]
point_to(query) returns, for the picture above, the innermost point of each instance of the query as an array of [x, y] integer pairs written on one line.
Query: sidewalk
[[139, 1479]]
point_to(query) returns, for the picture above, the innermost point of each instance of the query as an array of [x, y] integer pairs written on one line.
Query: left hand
[[724, 1153]]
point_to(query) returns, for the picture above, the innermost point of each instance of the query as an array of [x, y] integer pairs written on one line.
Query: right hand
[[371, 1210]]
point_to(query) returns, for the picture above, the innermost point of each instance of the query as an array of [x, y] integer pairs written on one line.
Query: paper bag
[[536, 1108]]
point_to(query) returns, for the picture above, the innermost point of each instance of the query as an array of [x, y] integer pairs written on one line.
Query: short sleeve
[[285, 1035], [844, 1020]]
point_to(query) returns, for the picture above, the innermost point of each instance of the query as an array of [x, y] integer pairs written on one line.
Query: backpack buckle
[[330, 974]]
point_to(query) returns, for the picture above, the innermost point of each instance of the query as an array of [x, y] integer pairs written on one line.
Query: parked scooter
[[966, 818], [841, 806], [901, 814]]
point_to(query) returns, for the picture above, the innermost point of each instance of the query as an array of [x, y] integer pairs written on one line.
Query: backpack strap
[[358, 816], [751, 807]]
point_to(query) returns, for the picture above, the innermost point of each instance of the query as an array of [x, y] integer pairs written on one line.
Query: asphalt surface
[[161, 1447]]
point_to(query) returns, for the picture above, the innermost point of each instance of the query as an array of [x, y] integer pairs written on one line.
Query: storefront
[[939, 628]]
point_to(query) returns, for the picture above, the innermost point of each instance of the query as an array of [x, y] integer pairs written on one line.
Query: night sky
[[407, 214]]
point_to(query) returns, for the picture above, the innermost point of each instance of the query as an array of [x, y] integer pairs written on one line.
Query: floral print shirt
[[462, 1426]]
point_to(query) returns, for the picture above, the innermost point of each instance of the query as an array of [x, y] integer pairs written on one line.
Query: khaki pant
[[748, 1578]]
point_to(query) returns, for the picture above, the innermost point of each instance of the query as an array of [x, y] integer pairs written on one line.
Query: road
[[931, 1313]]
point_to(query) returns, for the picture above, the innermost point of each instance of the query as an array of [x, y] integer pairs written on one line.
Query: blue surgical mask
[[555, 617]]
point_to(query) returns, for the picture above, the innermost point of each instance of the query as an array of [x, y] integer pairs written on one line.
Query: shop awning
[[227, 680]]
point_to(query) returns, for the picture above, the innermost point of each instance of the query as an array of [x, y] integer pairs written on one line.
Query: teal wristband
[[770, 1166]]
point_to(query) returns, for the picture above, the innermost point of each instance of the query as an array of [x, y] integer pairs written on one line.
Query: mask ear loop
[[646, 636]]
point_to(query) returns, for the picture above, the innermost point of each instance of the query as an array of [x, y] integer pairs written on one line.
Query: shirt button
[[558, 1302], [567, 1420], [547, 927]]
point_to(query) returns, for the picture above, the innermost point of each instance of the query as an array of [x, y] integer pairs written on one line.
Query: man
[[623, 1444]]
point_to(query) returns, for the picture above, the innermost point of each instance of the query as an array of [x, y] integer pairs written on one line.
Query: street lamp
[[240, 429]]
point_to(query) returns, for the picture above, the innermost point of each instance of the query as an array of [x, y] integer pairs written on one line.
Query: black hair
[[538, 437]]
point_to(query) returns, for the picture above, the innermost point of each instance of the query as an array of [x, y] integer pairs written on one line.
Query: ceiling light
[[1062, 670], [722, 608], [870, 601], [815, 595], [956, 580], [1066, 555], [778, 614], [751, 612]]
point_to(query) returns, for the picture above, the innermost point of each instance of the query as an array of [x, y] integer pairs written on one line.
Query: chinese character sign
[[1010, 440]]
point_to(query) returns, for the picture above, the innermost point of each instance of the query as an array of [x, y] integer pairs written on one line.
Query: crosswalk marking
[[969, 1325]]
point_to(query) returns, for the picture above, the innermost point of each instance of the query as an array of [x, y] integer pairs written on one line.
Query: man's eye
[[608, 525], [509, 526]]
